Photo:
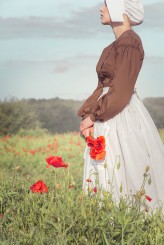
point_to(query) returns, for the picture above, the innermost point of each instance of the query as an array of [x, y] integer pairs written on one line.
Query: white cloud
[[83, 23], [154, 16], [51, 57]]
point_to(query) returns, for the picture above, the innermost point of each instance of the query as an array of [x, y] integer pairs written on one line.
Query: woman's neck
[[120, 28]]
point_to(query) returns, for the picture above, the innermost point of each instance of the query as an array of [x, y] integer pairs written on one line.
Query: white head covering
[[132, 8]]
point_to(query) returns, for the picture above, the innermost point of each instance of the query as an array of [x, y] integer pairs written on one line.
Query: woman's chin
[[104, 23]]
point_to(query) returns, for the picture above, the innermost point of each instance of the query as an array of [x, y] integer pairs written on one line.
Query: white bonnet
[[132, 8]]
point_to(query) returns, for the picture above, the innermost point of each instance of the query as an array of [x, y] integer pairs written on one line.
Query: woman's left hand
[[87, 132], [86, 123]]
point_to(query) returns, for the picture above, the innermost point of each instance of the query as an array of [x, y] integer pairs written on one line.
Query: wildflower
[[5, 138], [32, 152], [97, 156], [95, 189], [71, 186], [147, 168], [99, 143], [50, 146], [97, 151], [39, 186], [138, 195], [142, 192], [90, 141], [81, 199], [17, 167], [149, 198], [58, 186], [24, 150], [147, 209], [88, 180], [56, 162]]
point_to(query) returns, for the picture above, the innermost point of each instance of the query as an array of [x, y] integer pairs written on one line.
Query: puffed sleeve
[[128, 62], [85, 109]]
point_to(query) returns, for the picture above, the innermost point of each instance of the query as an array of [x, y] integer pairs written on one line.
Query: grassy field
[[63, 214]]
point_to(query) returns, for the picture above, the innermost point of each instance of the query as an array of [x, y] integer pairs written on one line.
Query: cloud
[[61, 68], [154, 15], [83, 23], [29, 27], [55, 65], [66, 64], [154, 59]]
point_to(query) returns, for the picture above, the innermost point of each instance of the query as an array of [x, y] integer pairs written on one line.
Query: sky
[[50, 48]]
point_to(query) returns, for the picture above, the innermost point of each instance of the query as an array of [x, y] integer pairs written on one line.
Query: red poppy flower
[[88, 180], [94, 189], [56, 162], [97, 146], [5, 138], [149, 198], [97, 155], [71, 186], [39, 186], [90, 141], [32, 152]]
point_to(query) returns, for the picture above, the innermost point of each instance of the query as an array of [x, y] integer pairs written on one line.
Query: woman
[[115, 111]]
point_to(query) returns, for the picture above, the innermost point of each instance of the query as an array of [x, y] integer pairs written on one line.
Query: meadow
[[61, 213]]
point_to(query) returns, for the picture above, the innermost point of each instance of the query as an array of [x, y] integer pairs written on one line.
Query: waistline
[[106, 89]]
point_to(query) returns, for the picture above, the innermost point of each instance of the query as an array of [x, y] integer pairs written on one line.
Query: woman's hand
[[88, 131], [86, 123]]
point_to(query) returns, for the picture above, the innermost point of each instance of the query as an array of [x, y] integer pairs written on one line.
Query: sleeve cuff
[[85, 116], [92, 117]]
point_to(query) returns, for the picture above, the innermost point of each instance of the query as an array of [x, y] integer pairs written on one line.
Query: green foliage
[[155, 107], [37, 132], [15, 115], [65, 215], [56, 115]]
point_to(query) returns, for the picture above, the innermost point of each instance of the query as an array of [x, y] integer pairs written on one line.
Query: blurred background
[[48, 54]]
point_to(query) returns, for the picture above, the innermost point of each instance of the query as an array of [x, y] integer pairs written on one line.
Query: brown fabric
[[118, 68]]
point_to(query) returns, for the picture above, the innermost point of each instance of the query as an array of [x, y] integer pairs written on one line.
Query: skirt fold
[[132, 140]]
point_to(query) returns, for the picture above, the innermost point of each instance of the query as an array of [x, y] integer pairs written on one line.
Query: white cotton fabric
[[116, 10], [133, 140], [132, 8]]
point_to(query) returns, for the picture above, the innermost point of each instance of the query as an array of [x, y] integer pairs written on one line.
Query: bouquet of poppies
[[97, 147]]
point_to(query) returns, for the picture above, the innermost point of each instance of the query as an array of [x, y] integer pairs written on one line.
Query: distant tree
[[155, 106], [55, 115], [16, 115]]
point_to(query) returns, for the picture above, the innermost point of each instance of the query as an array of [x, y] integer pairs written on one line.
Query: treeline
[[56, 115], [155, 106]]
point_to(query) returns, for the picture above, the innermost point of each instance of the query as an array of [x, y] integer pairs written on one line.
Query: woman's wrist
[[92, 117]]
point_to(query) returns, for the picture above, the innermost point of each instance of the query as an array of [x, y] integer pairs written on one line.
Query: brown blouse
[[118, 69]]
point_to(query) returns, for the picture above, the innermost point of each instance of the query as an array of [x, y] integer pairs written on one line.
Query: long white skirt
[[133, 142]]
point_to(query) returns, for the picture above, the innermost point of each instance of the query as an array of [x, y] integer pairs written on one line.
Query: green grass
[[64, 215]]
